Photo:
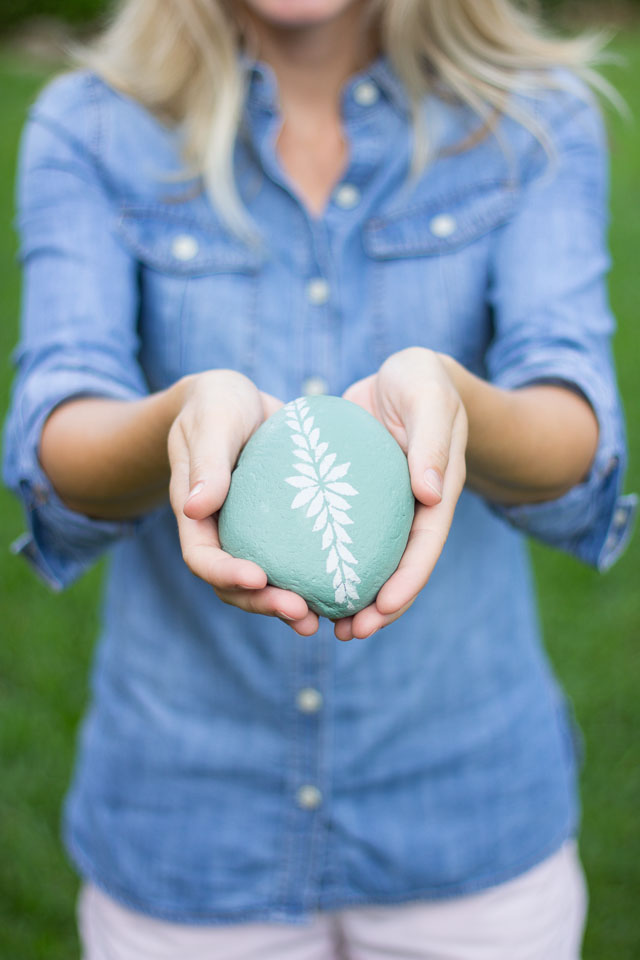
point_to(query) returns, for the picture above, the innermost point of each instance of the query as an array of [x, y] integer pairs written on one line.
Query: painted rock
[[321, 499]]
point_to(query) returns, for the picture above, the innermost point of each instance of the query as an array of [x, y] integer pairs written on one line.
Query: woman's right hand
[[220, 411]]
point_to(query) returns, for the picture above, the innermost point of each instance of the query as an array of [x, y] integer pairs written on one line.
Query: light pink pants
[[538, 916]]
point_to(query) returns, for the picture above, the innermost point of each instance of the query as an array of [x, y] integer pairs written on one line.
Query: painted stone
[[321, 499]]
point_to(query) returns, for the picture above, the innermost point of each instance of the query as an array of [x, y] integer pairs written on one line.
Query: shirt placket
[[321, 314]]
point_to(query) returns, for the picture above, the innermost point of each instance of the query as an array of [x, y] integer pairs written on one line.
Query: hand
[[220, 411], [413, 396]]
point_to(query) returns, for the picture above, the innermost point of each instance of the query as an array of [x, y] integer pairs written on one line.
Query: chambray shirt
[[228, 769]]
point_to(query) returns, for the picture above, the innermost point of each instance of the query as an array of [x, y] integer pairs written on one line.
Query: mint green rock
[[321, 499]]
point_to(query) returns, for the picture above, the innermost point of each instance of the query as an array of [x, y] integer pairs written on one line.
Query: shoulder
[[555, 125], [80, 112], [71, 103], [566, 110]]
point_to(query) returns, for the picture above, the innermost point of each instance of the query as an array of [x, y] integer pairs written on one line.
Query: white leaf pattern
[[337, 501], [351, 590], [321, 521], [340, 517], [345, 488], [300, 481], [342, 534], [350, 573], [337, 472], [303, 497], [320, 450], [332, 560], [307, 469], [318, 487], [326, 463], [345, 553], [316, 504]]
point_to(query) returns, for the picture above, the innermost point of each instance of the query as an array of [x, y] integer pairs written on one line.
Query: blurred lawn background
[[592, 622]]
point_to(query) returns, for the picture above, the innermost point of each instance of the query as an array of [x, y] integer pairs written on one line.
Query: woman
[[401, 202]]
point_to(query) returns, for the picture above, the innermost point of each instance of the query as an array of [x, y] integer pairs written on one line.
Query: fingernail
[[196, 488], [285, 616], [433, 480]]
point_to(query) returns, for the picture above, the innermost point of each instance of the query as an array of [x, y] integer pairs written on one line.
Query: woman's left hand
[[413, 396]]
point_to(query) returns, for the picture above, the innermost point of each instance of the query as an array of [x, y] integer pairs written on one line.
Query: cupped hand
[[220, 411], [413, 396]]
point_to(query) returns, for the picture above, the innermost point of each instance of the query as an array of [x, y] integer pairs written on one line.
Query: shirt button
[[318, 291], [309, 700], [619, 518], [184, 246], [366, 93], [346, 196], [314, 386], [443, 225], [308, 797]]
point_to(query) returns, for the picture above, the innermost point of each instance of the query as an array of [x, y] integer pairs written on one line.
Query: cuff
[[60, 544], [592, 521]]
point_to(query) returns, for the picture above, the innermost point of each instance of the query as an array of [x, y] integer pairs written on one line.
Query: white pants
[[538, 916]]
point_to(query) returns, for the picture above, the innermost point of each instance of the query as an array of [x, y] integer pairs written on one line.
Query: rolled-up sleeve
[[78, 321], [553, 323]]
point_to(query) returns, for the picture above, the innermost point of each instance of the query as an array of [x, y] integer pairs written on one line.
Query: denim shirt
[[228, 769]]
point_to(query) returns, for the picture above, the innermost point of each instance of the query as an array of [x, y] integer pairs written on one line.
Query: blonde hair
[[179, 58]]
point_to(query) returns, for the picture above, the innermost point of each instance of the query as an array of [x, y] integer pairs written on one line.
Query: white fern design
[[320, 484]]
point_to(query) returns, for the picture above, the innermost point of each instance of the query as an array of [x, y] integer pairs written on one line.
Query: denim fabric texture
[[441, 751]]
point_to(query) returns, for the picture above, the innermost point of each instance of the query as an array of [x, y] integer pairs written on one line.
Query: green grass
[[592, 625]]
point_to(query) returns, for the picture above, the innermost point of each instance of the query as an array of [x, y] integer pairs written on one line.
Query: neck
[[311, 63]]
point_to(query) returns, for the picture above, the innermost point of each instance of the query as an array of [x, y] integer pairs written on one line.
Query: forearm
[[526, 445], [108, 458]]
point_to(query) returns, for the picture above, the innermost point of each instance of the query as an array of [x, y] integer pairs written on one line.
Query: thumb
[[213, 450], [429, 430]]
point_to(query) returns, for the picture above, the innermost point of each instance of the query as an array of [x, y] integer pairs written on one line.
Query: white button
[[313, 386], [443, 225], [184, 246], [318, 291], [366, 93], [309, 700], [620, 518], [611, 542], [309, 797], [347, 196]]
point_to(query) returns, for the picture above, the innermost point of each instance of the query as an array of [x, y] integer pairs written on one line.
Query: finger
[[214, 426], [429, 426], [305, 627], [370, 620], [361, 392], [270, 404], [427, 537], [199, 539], [342, 628], [213, 446], [270, 601]]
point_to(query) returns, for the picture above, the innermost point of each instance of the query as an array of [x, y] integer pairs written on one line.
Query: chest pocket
[[197, 293], [429, 268]]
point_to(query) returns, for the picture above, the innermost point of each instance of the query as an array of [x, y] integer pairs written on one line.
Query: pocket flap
[[440, 224], [171, 242]]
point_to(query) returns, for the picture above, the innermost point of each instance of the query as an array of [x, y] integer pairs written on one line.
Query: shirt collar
[[262, 85]]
